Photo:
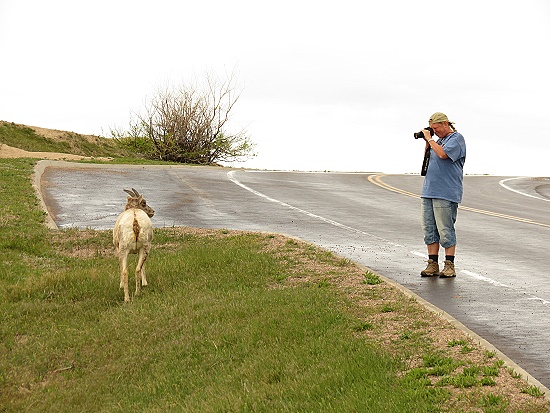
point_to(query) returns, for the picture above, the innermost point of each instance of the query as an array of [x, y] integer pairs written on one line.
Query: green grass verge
[[210, 333]]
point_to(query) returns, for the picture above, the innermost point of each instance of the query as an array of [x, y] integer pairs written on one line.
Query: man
[[441, 193]]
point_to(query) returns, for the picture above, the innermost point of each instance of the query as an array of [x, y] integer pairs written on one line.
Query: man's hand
[[427, 135]]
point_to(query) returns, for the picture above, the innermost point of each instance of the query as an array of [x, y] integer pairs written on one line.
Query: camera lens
[[420, 135]]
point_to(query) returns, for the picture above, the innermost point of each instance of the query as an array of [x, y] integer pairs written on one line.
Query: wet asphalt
[[502, 291]]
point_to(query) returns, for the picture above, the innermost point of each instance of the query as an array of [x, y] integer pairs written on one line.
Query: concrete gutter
[[36, 183]]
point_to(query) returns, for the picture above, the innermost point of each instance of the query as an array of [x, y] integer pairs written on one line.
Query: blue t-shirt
[[444, 176]]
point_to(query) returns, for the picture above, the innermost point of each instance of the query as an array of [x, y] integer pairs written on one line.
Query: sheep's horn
[[129, 192], [136, 192]]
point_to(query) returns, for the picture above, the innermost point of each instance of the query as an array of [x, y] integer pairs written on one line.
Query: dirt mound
[[11, 152], [7, 151]]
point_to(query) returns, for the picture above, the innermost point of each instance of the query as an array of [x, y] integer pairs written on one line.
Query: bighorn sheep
[[132, 234]]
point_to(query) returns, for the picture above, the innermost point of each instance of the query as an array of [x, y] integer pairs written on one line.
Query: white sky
[[338, 85]]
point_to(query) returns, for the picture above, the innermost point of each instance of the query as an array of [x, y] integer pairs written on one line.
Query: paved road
[[502, 291]]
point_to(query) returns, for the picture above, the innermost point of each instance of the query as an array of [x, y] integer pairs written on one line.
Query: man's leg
[[450, 252], [445, 215], [432, 269], [433, 249], [431, 238]]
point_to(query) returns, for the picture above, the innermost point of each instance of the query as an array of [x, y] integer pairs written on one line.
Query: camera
[[420, 135]]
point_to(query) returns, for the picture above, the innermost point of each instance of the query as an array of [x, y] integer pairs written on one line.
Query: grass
[[492, 403], [208, 336], [215, 331], [372, 279], [232, 322]]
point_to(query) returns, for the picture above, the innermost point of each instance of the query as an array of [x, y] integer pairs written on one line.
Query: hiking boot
[[432, 270], [448, 270]]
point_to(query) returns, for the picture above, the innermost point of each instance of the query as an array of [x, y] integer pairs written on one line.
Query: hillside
[[17, 141]]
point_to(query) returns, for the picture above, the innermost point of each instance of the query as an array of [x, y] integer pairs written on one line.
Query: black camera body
[[420, 135]]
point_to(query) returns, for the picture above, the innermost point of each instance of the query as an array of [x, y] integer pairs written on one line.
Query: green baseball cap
[[439, 117]]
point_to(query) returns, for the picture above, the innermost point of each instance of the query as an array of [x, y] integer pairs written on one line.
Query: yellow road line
[[377, 180]]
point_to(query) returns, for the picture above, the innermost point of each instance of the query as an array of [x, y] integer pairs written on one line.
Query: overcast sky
[[338, 85]]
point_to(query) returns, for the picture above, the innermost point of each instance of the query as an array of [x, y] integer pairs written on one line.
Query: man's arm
[[430, 141]]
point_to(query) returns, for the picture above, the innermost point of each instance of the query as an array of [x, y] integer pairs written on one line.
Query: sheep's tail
[[136, 228]]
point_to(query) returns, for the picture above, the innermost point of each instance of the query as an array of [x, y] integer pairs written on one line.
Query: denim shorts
[[438, 221]]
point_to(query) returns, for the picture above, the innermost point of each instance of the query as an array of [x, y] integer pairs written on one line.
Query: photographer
[[442, 192]]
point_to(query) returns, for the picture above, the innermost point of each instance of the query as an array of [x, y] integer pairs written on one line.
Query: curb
[[36, 180]]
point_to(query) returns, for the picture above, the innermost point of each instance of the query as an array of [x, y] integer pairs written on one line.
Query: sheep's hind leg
[[124, 276], [143, 279], [140, 270]]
